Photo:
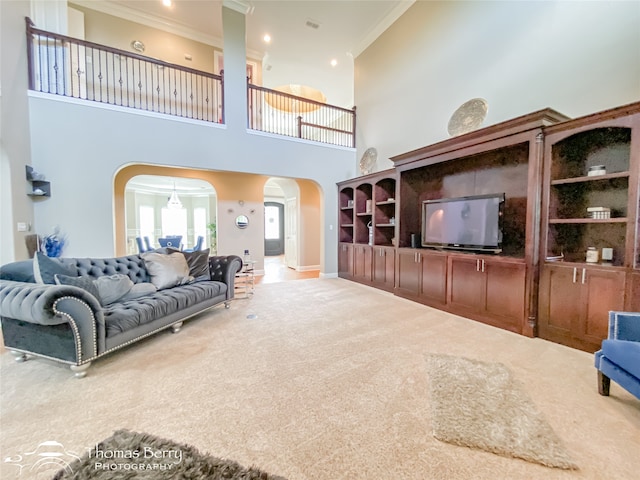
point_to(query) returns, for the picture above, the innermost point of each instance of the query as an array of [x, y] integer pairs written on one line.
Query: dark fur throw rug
[[133, 455]]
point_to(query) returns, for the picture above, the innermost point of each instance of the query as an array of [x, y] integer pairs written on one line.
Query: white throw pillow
[[166, 271]]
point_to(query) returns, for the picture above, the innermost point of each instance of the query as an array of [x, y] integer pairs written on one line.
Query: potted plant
[[213, 237]]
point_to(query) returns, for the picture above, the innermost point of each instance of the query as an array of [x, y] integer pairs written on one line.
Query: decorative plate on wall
[[137, 45], [468, 117], [368, 160]]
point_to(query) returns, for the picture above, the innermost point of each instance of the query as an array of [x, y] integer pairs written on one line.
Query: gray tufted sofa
[[68, 324]]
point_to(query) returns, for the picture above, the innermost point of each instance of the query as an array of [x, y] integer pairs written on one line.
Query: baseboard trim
[[328, 275], [307, 268]]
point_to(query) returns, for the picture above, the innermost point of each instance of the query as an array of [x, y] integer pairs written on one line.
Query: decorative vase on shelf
[[53, 244]]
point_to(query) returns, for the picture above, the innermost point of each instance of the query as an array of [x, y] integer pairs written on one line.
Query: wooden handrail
[[64, 38], [300, 99], [71, 67], [282, 119]]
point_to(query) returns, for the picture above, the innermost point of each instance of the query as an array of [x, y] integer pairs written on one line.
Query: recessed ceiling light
[[334, 62], [267, 38], [167, 3]]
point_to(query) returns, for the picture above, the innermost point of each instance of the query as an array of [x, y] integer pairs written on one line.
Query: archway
[[158, 206]]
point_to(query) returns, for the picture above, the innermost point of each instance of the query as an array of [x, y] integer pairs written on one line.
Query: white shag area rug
[[481, 405]]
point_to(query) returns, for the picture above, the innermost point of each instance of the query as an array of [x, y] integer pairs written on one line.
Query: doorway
[[273, 229]]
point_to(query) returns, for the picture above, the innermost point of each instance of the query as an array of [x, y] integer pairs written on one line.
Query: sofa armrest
[[223, 268], [50, 305], [624, 326]]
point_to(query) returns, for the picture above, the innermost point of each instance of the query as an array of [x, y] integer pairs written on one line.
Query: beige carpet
[[328, 382], [482, 405]]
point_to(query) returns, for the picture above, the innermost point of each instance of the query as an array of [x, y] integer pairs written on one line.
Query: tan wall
[[237, 194], [119, 33], [575, 57], [311, 224]]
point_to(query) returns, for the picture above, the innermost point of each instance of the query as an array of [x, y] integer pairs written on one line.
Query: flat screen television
[[464, 223]]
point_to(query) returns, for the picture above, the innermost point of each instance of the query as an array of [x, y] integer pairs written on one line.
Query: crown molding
[[153, 21], [394, 14], [240, 6]]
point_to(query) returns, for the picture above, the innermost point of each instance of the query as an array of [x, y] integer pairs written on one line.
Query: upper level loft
[[70, 67]]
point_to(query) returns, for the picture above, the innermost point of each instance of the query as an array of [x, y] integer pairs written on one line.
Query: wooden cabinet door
[[362, 262], [633, 292], [602, 291], [434, 277], [575, 303], [466, 284], [505, 292], [559, 303], [345, 260], [384, 266], [409, 272]]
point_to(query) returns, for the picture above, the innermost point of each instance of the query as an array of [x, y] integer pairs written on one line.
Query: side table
[[245, 280]]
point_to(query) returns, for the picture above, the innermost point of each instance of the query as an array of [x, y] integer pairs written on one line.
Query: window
[[271, 223], [200, 224], [174, 222], [147, 222]]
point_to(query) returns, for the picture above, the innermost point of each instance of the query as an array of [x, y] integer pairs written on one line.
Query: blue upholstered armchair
[[619, 358]]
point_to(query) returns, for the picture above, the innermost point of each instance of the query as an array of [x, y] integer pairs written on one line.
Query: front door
[[273, 228]]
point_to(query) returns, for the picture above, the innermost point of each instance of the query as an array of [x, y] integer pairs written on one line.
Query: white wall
[[575, 57], [14, 130], [80, 147], [81, 156]]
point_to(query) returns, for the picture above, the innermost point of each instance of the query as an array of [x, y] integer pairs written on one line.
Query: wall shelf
[[39, 187], [560, 221], [608, 176]]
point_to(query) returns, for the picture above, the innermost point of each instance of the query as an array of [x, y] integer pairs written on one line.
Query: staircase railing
[[75, 68], [281, 113], [70, 67]]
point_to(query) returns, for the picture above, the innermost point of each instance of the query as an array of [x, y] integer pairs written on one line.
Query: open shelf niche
[[39, 186]]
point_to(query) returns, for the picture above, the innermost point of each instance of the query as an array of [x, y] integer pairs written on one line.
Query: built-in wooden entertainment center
[[551, 169]]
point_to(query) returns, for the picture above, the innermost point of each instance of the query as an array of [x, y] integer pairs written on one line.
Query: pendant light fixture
[[174, 202]]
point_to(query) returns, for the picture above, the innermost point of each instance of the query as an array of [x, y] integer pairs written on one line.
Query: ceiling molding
[[152, 21], [394, 14], [240, 6]]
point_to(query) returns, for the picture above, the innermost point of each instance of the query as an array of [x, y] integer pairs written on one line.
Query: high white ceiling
[[297, 54]]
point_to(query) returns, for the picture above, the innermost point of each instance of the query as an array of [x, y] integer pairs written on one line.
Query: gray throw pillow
[[44, 269], [21, 271], [112, 288], [84, 282], [198, 262], [140, 290], [167, 250], [166, 271]]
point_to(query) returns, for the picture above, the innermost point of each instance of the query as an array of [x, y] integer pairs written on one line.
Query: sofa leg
[[604, 383], [80, 371], [227, 305], [175, 328], [19, 356]]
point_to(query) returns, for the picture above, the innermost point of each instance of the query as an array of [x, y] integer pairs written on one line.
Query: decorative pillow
[[140, 290], [112, 288], [167, 250], [84, 282], [167, 271], [44, 269], [21, 271], [198, 262]]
